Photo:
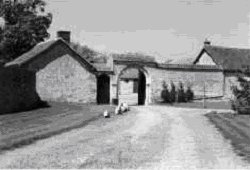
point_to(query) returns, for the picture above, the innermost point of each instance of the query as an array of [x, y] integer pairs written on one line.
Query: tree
[[173, 93], [241, 101], [181, 93], [165, 93], [189, 94], [26, 25], [84, 51]]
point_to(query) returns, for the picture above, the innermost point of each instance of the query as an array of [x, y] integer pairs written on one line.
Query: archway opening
[[141, 88], [132, 86], [103, 89]]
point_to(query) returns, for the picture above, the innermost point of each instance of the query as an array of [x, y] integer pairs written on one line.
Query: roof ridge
[[224, 47]]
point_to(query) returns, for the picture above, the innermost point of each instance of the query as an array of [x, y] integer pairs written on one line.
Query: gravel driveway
[[152, 137]]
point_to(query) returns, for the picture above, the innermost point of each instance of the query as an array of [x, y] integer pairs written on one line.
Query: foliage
[[26, 24], [173, 93], [165, 93], [181, 94], [189, 94], [241, 101], [84, 50]]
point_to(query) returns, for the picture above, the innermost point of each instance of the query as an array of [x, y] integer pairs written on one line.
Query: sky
[[166, 29]]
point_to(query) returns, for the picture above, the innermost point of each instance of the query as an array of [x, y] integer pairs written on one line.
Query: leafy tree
[[26, 24], [173, 93], [241, 101], [181, 93], [189, 94], [84, 51], [165, 93]]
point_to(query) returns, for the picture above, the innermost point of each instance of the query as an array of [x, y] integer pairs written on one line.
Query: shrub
[[181, 94], [165, 93], [173, 93], [189, 94], [241, 101]]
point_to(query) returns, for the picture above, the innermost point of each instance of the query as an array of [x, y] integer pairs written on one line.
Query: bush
[[241, 101], [165, 93], [172, 93], [189, 94], [181, 94]]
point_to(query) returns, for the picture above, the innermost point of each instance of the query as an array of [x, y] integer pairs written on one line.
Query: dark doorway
[[103, 89], [141, 89]]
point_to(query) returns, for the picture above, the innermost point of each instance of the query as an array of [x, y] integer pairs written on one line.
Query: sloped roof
[[230, 59], [39, 48], [42, 47], [133, 57], [189, 67]]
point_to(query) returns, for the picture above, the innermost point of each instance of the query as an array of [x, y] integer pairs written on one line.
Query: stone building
[[61, 74], [64, 75], [231, 61]]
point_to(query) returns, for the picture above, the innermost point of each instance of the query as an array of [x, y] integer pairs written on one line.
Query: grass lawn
[[209, 104], [236, 128], [23, 128]]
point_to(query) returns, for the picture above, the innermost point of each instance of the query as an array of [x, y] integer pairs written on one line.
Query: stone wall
[[63, 77], [65, 80], [127, 87], [195, 79], [214, 81], [17, 90]]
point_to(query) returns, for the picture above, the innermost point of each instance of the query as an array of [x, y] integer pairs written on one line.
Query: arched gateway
[[133, 85]]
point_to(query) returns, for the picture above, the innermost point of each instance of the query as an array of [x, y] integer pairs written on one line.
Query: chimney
[[65, 35], [207, 42]]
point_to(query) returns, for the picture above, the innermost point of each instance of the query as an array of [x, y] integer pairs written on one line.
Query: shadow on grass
[[33, 139], [39, 105]]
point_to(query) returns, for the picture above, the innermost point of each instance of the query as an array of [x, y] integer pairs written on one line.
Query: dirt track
[[154, 137]]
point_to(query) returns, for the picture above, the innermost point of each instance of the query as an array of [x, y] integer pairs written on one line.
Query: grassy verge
[[235, 128], [25, 128]]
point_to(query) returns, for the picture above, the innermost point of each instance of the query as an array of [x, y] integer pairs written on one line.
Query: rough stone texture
[[214, 81], [62, 77], [119, 69], [127, 87], [230, 80], [195, 79], [17, 90]]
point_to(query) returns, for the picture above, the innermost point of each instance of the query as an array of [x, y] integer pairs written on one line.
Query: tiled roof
[[189, 66], [133, 57], [32, 53], [42, 47], [227, 58]]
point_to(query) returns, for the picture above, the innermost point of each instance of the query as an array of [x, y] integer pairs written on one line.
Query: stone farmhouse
[[61, 74]]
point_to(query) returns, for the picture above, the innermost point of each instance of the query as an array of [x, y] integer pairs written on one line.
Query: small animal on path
[[106, 114]]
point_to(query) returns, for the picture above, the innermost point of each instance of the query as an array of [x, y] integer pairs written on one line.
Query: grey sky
[[166, 28]]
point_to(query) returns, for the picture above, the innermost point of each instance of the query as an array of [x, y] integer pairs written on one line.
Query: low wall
[[17, 90], [213, 81]]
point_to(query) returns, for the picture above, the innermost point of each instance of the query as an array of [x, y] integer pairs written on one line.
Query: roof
[[130, 74], [189, 67], [42, 47], [39, 48], [134, 57], [230, 59]]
